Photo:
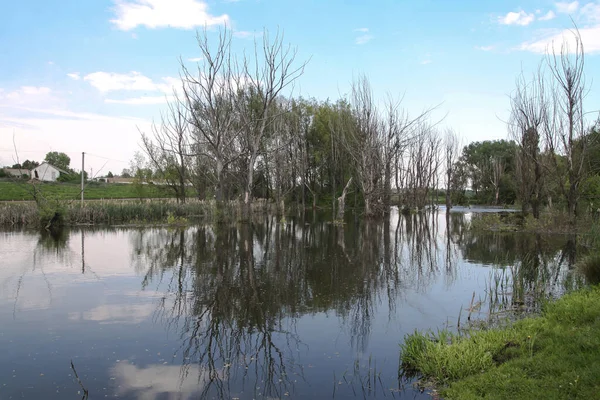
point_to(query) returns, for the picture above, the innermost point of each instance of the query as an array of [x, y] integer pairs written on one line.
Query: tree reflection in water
[[235, 292]]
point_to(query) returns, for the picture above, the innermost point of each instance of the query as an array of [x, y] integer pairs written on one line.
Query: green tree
[[110, 174], [29, 165], [59, 160], [490, 167]]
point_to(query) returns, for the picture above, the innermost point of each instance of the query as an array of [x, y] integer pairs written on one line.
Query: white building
[[46, 172]]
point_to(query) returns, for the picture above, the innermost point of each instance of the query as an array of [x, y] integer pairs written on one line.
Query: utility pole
[[82, 175]]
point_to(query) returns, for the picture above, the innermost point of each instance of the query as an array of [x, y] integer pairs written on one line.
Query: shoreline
[[553, 355]]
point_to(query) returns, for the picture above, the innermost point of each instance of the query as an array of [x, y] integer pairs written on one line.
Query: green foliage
[[478, 162], [71, 177], [59, 160], [175, 220], [52, 214], [554, 356]]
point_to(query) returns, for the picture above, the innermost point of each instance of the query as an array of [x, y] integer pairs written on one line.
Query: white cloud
[[246, 34], [34, 90], [74, 76], [591, 11], [195, 59], [517, 18], [548, 16], [363, 39], [567, 8], [36, 96], [366, 37], [109, 82], [484, 48], [589, 36], [183, 14], [143, 100], [425, 62]]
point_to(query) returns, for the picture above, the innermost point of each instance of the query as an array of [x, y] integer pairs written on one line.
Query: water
[[303, 310]]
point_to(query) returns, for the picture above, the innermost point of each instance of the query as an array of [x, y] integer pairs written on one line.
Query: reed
[[116, 212]]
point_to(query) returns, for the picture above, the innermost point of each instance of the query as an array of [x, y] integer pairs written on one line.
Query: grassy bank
[[553, 356], [549, 222], [22, 191], [29, 215]]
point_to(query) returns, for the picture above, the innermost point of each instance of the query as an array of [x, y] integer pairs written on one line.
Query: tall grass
[[111, 212]]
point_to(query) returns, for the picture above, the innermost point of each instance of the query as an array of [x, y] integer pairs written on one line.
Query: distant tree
[[126, 173], [59, 160], [488, 164], [29, 164], [110, 174]]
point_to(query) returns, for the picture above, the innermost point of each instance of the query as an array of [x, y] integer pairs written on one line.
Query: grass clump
[[553, 356], [590, 268]]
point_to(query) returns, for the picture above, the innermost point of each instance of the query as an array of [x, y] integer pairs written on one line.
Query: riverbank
[[109, 212], [553, 356], [549, 222]]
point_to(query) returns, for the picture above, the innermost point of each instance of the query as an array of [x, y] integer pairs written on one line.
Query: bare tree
[[209, 95], [566, 134], [421, 165], [497, 171], [363, 143], [342, 201], [529, 119], [259, 82], [168, 147], [452, 148]]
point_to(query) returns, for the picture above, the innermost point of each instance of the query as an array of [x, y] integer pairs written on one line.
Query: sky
[[89, 76]]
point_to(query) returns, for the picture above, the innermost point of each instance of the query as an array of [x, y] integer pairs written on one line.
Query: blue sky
[[88, 75]]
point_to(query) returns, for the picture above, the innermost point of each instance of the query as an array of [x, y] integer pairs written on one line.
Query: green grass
[[553, 356], [70, 191]]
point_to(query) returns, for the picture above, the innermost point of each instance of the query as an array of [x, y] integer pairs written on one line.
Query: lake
[[304, 309]]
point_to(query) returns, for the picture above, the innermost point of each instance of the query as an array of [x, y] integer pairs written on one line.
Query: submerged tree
[[566, 133]]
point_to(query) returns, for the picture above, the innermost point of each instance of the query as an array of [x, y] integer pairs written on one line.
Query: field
[[16, 191]]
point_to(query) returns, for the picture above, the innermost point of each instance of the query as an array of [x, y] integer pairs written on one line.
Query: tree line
[[234, 131]]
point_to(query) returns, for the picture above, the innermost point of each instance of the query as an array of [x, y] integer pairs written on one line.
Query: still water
[[301, 310]]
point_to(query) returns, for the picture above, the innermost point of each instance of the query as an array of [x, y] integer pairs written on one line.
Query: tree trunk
[[342, 201]]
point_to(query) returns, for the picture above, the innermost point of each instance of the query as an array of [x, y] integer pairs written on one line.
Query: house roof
[[56, 168], [17, 171]]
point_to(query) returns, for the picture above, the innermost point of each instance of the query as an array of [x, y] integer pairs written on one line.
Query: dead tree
[[362, 141], [566, 135], [168, 148], [452, 148], [342, 201], [209, 96], [529, 120], [497, 171], [259, 82]]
